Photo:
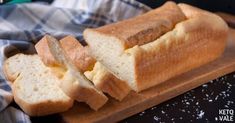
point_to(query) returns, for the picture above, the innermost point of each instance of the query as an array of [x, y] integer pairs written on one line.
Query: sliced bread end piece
[[79, 54], [45, 54]]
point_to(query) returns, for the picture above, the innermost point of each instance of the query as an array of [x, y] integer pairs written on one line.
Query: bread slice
[[79, 55], [76, 52], [107, 82], [35, 88], [45, 53], [145, 62], [74, 83]]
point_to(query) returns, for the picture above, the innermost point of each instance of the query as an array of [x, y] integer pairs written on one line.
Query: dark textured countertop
[[208, 103]]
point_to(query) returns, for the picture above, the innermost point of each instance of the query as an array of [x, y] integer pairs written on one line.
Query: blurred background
[[227, 6]]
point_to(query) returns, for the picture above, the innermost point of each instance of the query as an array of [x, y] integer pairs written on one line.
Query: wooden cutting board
[[115, 111]]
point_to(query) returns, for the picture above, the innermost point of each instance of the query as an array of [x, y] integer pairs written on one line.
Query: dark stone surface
[[201, 104]]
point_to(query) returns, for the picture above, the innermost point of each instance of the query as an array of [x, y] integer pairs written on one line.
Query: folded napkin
[[22, 25]]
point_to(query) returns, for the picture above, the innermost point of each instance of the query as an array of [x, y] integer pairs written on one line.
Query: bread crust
[[192, 52], [78, 54], [138, 31], [197, 41], [9, 77], [193, 42], [45, 54], [107, 82], [115, 87]]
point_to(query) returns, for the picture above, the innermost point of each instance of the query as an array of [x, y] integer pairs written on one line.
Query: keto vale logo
[[225, 115]]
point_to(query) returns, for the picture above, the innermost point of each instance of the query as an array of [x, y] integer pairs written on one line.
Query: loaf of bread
[[98, 74], [151, 48], [74, 83], [34, 87]]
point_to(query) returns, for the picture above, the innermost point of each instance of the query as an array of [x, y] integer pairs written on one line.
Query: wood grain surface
[[115, 111]]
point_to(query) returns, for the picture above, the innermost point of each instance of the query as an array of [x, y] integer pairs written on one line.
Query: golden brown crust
[[138, 31], [107, 82], [75, 51], [45, 54], [78, 54], [9, 77], [197, 41], [193, 12], [193, 42], [93, 99], [115, 87]]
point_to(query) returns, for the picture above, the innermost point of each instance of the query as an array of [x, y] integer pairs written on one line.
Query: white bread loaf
[[80, 56], [151, 48], [34, 87], [74, 83]]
